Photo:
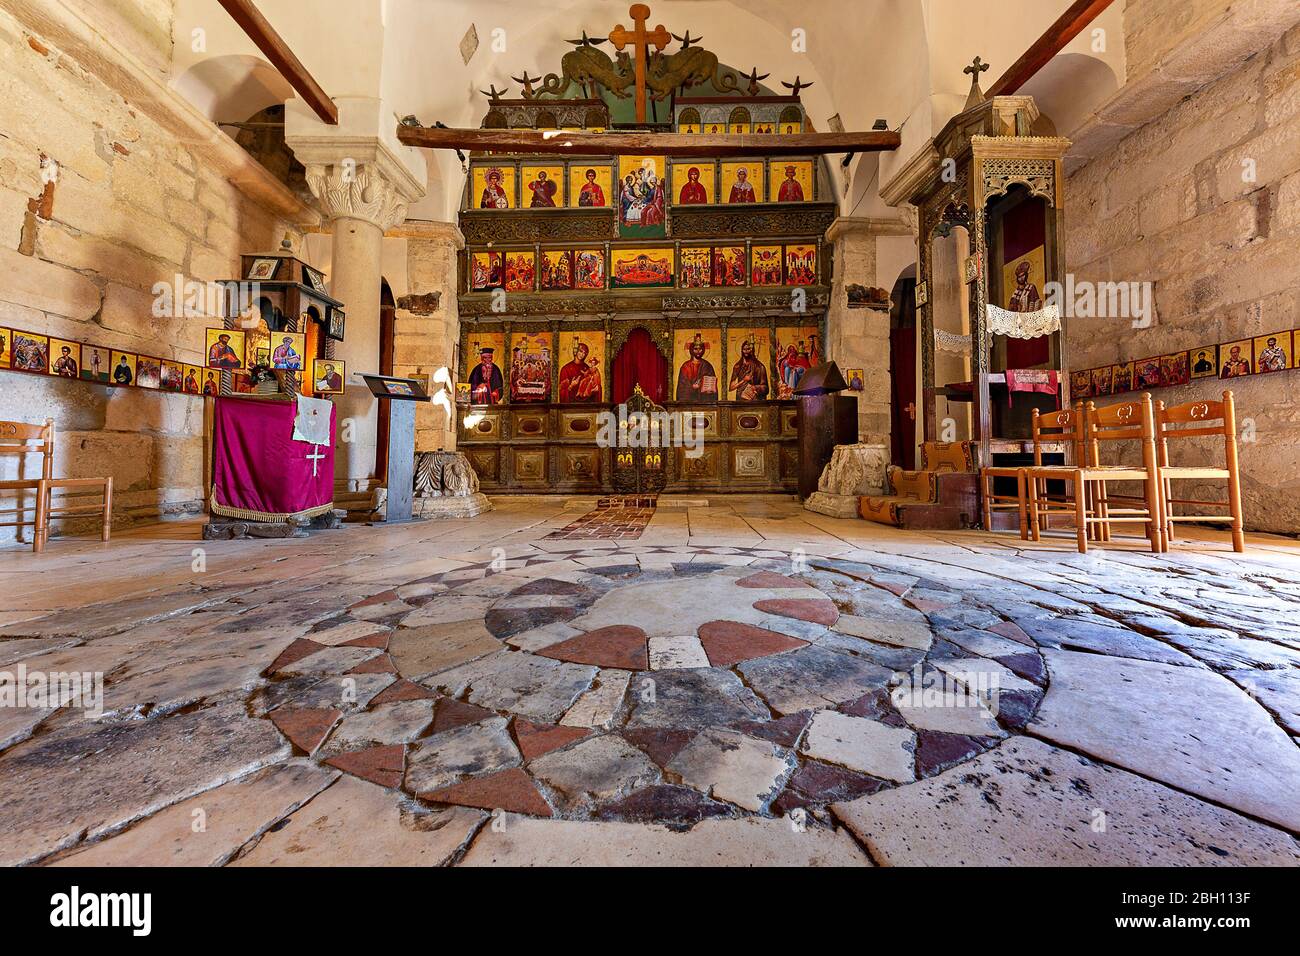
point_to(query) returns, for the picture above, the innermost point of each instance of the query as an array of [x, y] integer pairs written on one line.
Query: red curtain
[[1024, 229], [639, 362]]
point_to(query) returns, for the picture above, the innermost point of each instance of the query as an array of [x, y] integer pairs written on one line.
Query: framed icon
[[328, 376]]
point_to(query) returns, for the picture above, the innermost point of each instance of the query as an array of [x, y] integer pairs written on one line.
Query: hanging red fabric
[[639, 362]]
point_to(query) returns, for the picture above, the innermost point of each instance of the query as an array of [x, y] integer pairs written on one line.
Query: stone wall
[[859, 338], [133, 204], [1174, 203], [428, 325]]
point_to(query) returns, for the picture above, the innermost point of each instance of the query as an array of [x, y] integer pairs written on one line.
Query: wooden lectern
[[403, 393], [826, 419]]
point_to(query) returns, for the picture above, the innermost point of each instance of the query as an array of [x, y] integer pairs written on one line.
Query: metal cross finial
[[493, 93], [976, 95], [527, 82], [687, 40], [796, 86]]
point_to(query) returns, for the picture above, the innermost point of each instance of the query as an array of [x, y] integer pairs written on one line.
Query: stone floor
[[744, 683]]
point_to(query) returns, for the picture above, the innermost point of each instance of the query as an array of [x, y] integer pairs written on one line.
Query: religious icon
[[1234, 359], [327, 376], [544, 185], [589, 186], [315, 279], [765, 265], [211, 387], [1101, 381], [1273, 352], [697, 380], [1173, 369], [494, 186], [520, 271], [225, 349], [744, 181], [748, 351], [487, 385], [693, 183], [463, 393], [855, 379], [530, 366], [1022, 282], [1081, 384], [191, 383], [588, 269], [1205, 361], [123, 368], [1121, 378], [580, 377], [94, 363], [556, 270], [1146, 373], [65, 358], [641, 201], [148, 372], [289, 351], [797, 350], [172, 376], [263, 269], [729, 265], [6, 340], [694, 267], [801, 265], [641, 268], [337, 323], [486, 271], [795, 184]]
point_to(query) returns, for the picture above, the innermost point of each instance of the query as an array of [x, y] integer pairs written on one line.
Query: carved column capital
[[346, 190], [356, 177]]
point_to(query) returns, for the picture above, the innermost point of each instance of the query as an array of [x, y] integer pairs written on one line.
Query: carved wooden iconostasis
[[705, 282]]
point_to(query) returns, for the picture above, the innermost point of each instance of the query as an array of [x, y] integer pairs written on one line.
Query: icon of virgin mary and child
[[641, 198]]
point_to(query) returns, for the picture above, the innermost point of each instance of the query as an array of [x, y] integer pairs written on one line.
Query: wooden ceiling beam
[[260, 31], [1068, 26], [645, 143]]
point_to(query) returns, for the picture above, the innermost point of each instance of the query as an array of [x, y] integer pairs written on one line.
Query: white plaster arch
[[232, 87]]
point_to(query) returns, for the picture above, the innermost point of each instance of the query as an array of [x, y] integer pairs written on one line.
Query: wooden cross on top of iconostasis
[[641, 40]]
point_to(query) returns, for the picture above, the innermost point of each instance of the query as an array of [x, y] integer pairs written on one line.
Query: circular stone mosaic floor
[[654, 684]]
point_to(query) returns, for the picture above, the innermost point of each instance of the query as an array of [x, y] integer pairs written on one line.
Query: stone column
[[362, 192], [859, 337], [428, 325]]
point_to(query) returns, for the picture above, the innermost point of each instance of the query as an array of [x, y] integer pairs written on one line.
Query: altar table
[[259, 472]]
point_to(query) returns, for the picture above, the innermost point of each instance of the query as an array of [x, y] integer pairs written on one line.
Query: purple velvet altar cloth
[[258, 471]]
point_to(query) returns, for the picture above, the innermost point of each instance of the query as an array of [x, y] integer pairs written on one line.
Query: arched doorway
[[903, 409], [639, 362], [387, 323]]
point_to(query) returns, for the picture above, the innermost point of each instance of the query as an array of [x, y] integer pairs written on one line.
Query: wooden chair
[[1192, 420], [16, 438], [1088, 497], [1065, 425], [72, 504]]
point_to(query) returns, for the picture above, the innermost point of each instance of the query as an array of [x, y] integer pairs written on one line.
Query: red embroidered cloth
[[1032, 380], [258, 471]]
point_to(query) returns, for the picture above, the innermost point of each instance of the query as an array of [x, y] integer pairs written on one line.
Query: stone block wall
[[1204, 202], [132, 206], [428, 326]]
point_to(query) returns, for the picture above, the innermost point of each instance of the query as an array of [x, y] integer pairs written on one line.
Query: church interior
[[687, 434]]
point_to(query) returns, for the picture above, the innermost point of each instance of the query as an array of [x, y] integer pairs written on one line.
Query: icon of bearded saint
[[748, 381]]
